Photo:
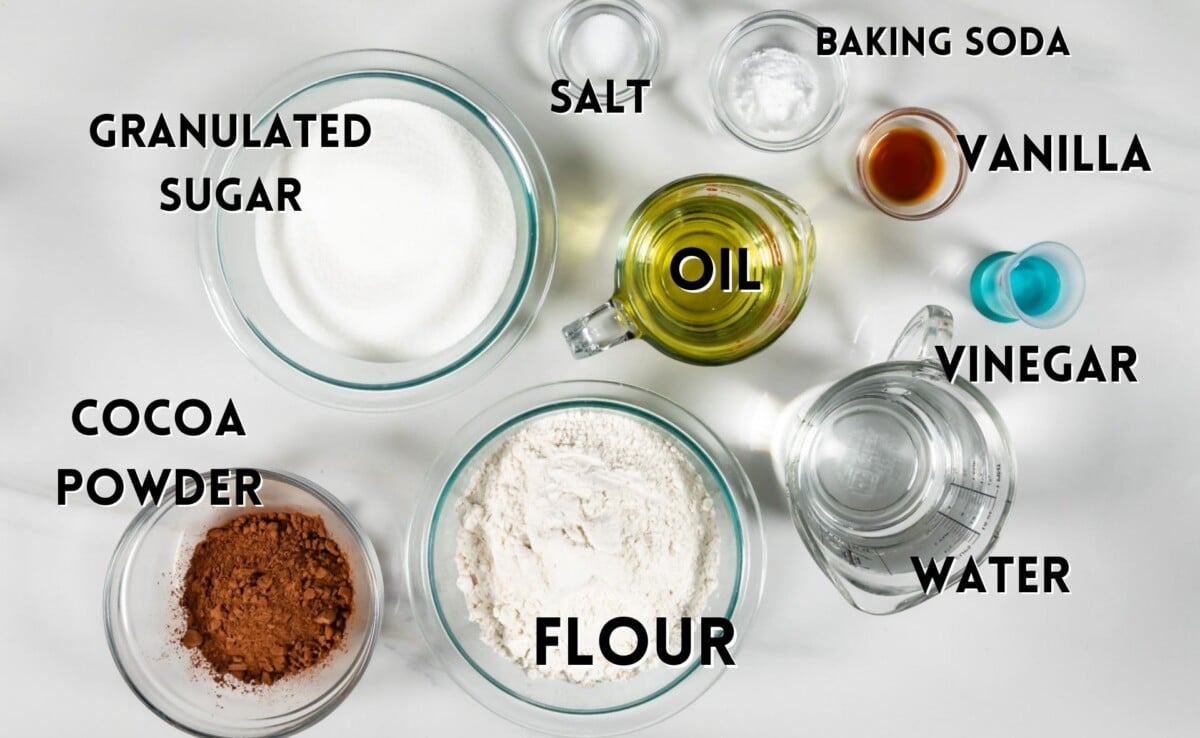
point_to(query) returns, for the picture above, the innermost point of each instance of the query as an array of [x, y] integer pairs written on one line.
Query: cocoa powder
[[266, 595]]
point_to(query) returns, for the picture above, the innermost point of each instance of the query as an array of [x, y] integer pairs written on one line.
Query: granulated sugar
[[590, 514], [403, 245]]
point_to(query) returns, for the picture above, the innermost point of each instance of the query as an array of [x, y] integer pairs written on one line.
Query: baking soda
[[403, 246], [773, 89]]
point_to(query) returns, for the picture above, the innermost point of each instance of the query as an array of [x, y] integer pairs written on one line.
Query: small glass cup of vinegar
[[909, 164]]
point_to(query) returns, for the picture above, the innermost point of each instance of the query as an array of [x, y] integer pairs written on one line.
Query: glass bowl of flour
[[593, 501], [416, 261]]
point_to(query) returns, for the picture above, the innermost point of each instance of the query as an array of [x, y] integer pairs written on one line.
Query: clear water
[[896, 471], [1036, 285]]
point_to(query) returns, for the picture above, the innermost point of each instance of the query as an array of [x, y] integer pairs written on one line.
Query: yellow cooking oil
[[759, 246]]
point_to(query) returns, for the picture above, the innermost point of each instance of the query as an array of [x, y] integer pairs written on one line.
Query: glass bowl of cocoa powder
[[244, 622]]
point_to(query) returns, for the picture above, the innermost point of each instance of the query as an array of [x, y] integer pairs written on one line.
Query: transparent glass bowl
[[792, 32], [141, 620], [243, 302], [564, 62], [954, 164], [550, 705]]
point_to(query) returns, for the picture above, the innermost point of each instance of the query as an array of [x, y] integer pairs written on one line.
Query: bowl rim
[[797, 21], [288, 723], [469, 363], [719, 462]]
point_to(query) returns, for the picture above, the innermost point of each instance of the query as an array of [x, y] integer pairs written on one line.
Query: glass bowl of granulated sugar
[[420, 252], [590, 502], [163, 640]]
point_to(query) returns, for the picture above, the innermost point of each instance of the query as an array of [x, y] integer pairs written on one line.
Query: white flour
[[590, 514], [403, 245]]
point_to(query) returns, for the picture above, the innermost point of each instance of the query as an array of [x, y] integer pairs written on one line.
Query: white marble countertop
[[99, 297]]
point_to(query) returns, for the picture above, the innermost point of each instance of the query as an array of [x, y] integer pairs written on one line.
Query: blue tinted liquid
[[1035, 285]]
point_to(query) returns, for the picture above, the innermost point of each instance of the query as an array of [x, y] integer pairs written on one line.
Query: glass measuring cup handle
[[599, 330], [932, 326]]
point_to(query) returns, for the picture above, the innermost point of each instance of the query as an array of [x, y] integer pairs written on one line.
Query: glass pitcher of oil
[[710, 270]]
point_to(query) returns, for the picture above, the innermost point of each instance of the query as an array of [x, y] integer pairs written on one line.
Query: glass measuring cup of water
[[895, 462], [710, 270]]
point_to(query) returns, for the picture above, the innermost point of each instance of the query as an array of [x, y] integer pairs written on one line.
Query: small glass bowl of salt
[[594, 41], [769, 86]]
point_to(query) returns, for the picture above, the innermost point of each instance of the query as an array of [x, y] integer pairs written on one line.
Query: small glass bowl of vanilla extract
[[909, 163]]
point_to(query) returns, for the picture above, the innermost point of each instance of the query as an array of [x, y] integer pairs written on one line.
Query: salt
[[403, 246], [604, 47], [774, 89]]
